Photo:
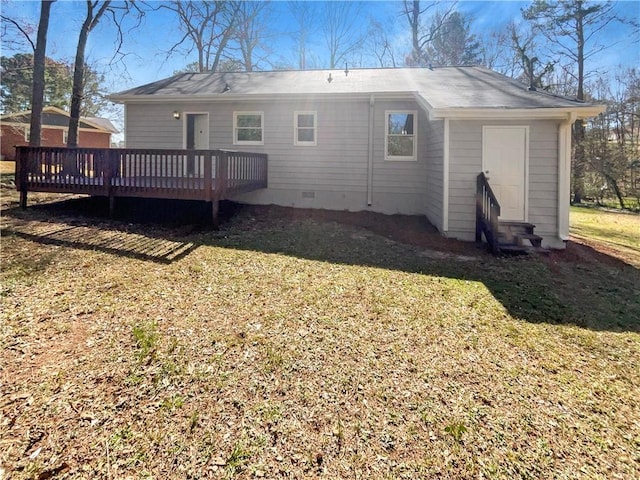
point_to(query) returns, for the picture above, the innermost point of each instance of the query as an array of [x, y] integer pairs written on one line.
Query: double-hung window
[[248, 128], [400, 135], [305, 128]]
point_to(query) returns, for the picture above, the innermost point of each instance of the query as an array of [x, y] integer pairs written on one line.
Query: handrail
[[487, 213]]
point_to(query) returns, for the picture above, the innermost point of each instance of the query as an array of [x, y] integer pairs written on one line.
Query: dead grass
[[304, 348]]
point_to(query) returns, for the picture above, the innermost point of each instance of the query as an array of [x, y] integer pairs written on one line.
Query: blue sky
[[146, 62]]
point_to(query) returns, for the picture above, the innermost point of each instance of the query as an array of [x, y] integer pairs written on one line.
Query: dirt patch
[[408, 229], [582, 251]]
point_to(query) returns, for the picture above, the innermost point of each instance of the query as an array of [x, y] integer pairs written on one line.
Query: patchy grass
[[304, 348], [617, 233]]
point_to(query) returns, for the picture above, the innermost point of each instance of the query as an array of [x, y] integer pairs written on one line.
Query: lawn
[[285, 346], [608, 230]]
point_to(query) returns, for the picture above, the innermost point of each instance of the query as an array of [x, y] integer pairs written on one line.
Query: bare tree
[[25, 30], [95, 11], [573, 28], [207, 29], [39, 56], [251, 31], [497, 53], [533, 72], [340, 30], [422, 30], [304, 14], [379, 45], [611, 141]]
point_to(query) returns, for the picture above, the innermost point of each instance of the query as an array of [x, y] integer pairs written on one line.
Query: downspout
[[564, 175], [445, 178], [370, 153]]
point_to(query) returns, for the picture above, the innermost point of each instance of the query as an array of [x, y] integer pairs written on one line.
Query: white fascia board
[[561, 113], [259, 97], [424, 104]]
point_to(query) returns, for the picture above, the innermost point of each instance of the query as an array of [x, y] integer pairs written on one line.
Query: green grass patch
[[618, 232], [296, 348]]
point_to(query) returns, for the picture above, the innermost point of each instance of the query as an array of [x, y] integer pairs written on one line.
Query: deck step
[[536, 240], [522, 249]]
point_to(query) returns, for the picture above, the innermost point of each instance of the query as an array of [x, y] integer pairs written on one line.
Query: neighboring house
[[93, 132], [407, 140]]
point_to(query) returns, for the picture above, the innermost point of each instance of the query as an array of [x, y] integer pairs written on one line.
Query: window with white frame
[[400, 135], [27, 134], [248, 128], [305, 125], [65, 136]]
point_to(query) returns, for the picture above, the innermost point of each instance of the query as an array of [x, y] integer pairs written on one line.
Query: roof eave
[[561, 113], [226, 97]]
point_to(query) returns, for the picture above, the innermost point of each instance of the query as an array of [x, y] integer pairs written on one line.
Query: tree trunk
[[578, 130], [37, 92], [77, 91], [78, 84], [616, 188], [578, 161]]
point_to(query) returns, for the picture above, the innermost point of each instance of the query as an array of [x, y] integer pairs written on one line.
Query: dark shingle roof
[[441, 88]]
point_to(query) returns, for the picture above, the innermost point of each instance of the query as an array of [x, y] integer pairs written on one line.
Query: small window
[[400, 136], [247, 128], [305, 124], [65, 136], [27, 134]]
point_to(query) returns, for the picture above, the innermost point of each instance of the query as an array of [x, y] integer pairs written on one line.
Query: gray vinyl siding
[[331, 175], [398, 186], [434, 133], [465, 163], [543, 180]]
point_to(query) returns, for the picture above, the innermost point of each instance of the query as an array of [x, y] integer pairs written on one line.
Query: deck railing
[[487, 213], [178, 174], [209, 175]]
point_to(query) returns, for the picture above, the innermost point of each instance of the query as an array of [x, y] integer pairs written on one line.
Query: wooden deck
[[208, 175]]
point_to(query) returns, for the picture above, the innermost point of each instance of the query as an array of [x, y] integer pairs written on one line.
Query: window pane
[[400, 146], [249, 121], [305, 120], [401, 123], [249, 134], [306, 135]]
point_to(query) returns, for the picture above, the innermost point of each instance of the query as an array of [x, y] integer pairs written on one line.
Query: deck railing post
[[110, 161], [222, 174], [479, 202], [22, 171], [208, 176]]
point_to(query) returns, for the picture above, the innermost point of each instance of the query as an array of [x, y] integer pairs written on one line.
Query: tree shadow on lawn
[[602, 293], [77, 223], [579, 286]]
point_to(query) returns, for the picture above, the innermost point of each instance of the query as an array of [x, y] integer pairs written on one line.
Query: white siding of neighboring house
[[331, 175], [466, 163]]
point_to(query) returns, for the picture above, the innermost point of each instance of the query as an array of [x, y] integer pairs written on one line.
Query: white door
[[504, 162]]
